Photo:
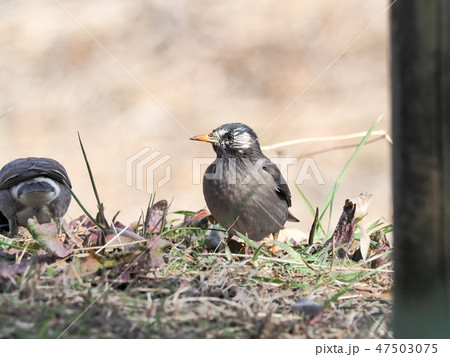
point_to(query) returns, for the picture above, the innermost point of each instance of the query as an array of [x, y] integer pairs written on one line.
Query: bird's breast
[[239, 201], [36, 192]]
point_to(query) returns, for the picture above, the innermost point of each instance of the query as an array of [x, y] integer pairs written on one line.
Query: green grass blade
[[136, 229], [336, 296], [388, 229], [31, 250], [94, 187], [374, 225], [296, 255], [338, 182], [187, 213], [258, 251], [102, 228], [308, 204], [148, 212], [228, 253], [310, 207], [251, 243]]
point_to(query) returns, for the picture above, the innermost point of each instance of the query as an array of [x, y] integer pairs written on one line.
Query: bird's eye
[[229, 137]]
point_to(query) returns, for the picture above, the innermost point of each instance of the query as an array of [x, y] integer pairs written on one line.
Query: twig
[[19, 259], [210, 298], [350, 297], [69, 233], [111, 246], [339, 147], [4, 114], [112, 240], [129, 234], [381, 133]]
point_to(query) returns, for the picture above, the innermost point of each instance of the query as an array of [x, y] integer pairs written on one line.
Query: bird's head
[[231, 140]]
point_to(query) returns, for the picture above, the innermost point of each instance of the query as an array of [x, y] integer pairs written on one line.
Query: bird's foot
[[273, 250], [275, 237]]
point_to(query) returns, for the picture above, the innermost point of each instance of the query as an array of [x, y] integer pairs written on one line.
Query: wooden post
[[420, 73]]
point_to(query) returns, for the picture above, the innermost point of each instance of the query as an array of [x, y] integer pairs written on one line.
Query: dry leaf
[[156, 218], [156, 248], [8, 271], [74, 238], [201, 219], [362, 204], [46, 235], [293, 236], [343, 233], [89, 264]]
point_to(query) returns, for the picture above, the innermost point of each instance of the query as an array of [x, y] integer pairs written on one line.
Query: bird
[[33, 187], [243, 189]]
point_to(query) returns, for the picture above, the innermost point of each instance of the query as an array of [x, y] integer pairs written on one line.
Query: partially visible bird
[[243, 189], [4, 225], [33, 187]]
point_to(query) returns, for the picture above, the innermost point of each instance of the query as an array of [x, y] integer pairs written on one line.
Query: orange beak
[[206, 138]]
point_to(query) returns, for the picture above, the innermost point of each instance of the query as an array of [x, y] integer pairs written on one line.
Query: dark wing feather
[[282, 187], [59, 176], [21, 170]]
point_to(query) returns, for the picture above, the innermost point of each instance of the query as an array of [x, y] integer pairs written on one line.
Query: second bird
[[243, 189], [33, 187]]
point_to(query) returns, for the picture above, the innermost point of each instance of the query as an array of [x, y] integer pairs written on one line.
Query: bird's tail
[[291, 218]]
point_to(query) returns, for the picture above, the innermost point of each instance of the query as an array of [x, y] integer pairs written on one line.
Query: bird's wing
[[10, 181], [25, 169], [58, 175], [282, 187]]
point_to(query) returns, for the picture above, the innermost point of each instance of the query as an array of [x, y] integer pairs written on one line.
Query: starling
[[243, 189], [33, 187]]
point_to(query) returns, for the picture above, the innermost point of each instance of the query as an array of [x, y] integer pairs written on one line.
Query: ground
[[171, 286]]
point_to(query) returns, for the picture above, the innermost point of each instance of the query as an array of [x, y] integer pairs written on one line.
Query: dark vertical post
[[420, 74]]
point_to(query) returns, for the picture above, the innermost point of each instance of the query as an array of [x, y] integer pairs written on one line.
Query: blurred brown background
[[206, 63]]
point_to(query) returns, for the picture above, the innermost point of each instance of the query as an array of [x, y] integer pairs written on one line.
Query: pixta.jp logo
[[146, 163], [227, 170]]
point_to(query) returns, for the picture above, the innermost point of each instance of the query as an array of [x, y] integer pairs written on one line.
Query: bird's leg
[[275, 237], [59, 227], [13, 227]]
